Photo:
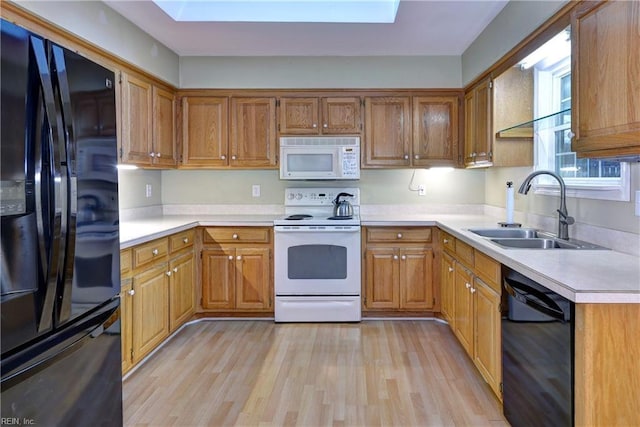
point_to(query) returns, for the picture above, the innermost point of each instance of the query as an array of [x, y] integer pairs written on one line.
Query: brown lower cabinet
[[398, 269], [157, 293], [237, 269]]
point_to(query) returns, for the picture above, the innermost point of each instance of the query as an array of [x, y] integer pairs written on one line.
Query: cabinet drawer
[[148, 252], [488, 269], [448, 242], [236, 235], [399, 235], [464, 253], [180, 241], [125, 261]]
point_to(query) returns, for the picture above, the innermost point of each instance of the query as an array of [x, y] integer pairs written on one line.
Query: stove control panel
[[319, 196]]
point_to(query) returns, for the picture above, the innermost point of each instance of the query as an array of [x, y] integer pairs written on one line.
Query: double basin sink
[[529, 238]]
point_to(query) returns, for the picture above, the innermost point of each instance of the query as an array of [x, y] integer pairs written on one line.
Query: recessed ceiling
[[421, 28]]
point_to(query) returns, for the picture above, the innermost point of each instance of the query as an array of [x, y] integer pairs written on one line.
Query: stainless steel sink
[[535, 243], [520, 233]]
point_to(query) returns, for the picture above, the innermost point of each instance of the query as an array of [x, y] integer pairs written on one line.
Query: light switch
[[638, 203]]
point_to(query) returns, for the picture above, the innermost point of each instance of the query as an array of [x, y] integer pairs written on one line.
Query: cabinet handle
[[233, 157], [325, 126], [395, 257], [406, 157], [185, 240], [403, 257], [223, 157], [155, 252], [450, 270], [235, 236], [445, 241], [467, 285], [131, 292], [169, 273], [230, 257], [314, 125], [175, 269], [473, 290], [399, 235], [152, 154], [159, 155], [238, 257], [416, 157]]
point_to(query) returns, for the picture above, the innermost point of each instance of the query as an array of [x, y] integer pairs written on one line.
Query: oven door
[[317, 260]]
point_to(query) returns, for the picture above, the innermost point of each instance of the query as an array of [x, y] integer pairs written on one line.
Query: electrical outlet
[[255, 190], [638, 203], [421, 190], [148, 190]]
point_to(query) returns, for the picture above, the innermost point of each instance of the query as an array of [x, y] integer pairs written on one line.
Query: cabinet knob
[[395, 257], [230, 257], [450, 270], [131, 292], [445, 241], [155, 252], [570, 134], [314, 125], [238, 257], [399, 236], [325, 126], [473, 154], [416, 157], [403, 257], [175, 269], [185, 240], [159, 155], [406, 157], [168, 273], [233, 157], [223, 157], [152, 154], [467, 285], [235, 236], [473, 290]]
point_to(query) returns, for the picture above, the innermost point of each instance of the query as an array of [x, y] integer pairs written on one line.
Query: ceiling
[[422, 28]]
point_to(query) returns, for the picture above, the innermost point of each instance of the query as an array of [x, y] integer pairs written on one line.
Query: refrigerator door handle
[[53, 139], [70, 210]]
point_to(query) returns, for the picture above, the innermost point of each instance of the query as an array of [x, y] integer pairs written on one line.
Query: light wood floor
[[258, 373]]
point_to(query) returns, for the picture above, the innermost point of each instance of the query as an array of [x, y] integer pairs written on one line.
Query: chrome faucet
[[564, 220]]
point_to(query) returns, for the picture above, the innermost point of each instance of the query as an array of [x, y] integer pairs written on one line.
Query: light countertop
[[583, 276]]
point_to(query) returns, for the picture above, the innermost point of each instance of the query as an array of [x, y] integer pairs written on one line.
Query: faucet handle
[[566, 219]]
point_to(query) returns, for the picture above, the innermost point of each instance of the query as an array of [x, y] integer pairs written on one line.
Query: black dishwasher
[[537, 354]]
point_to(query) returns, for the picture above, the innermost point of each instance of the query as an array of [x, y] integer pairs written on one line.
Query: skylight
[[338, 11]]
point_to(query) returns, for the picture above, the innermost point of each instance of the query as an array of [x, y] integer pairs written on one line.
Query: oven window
[[310, 162], [317, 262]]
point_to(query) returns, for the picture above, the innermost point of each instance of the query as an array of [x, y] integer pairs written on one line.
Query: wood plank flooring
[[259, 373]]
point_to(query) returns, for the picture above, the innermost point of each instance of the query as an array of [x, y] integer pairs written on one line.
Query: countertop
[[583, 276]]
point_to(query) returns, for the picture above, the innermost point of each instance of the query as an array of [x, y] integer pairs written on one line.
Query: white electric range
[[317, 258]]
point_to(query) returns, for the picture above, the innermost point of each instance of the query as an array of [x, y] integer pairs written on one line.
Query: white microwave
[[320, 157]]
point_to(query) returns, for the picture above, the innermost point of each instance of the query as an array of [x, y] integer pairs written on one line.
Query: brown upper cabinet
[[204, 131], [320, 116], [606, 79], [148, 123], [478, 125], [253, 132], [404, 131]]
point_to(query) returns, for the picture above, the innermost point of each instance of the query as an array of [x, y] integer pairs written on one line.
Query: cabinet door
[[126, 324], [299, 116], [435, 131], [447, 288], [382, 272], [341, 115], [181, 290], [218, 276], [204, 131], [606, 78], [164, 114], [479, 125], [136, 120], [150, 310], [487, 350], [464, 308], [416, 278], [253, 132], [387, 131], [253, 279]]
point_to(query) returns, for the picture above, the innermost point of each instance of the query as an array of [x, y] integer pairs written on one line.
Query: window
[[587, 178]]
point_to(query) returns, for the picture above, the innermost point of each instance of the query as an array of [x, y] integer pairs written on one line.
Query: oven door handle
[[316, 229]]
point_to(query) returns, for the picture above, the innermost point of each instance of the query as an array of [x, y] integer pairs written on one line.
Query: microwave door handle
[[52, 138]]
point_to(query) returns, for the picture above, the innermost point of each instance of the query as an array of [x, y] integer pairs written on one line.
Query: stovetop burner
[[298, 216]]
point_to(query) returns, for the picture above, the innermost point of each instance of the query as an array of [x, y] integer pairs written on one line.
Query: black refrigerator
[[60, 264]]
